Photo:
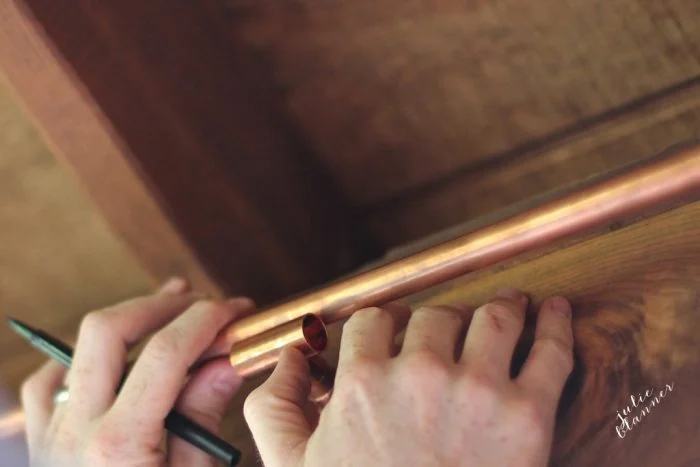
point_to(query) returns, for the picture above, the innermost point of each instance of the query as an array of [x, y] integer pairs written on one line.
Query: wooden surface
[[198, 128], [414, 93], [59, 258], [636, 297], [77, 130], [610, 143], [280, 144], [263, 147]]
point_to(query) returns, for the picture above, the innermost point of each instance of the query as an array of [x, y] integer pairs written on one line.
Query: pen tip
[[19, 327]]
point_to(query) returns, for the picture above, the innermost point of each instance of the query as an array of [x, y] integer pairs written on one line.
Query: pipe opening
[[314, 332]]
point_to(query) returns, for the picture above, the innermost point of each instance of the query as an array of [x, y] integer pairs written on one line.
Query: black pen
[[175, 423]]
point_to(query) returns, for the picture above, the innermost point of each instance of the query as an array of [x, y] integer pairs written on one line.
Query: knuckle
[[372, 314], [163, 344], [208, 305], [558, 350], [257, 400], [30, 387], [95, 322], [207, 308], [500, 317]]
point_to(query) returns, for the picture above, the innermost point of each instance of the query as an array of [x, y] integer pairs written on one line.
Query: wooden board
[[59, 259], [267, 147], [396, 94], [633, 134], [178, 143], [77, 130], [636, 297], [636, 302]]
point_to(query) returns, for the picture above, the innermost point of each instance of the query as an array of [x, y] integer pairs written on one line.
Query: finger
[[550, 360], [401, 312], [434, 329], [157, 376], [220, 347], [174, 286], [275, 412], [103, 342], [494, 331], [37, 400], [369, 333], [204, 400]]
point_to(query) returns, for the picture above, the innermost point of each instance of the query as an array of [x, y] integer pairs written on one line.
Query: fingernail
[[174, 285], [560, 305], [227, 381], [512, 294]]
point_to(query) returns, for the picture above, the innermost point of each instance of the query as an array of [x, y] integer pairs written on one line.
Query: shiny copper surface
[[261, 352], [661, 181]]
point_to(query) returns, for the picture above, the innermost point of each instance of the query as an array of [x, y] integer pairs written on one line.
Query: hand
[[446, 399], [95, 426]]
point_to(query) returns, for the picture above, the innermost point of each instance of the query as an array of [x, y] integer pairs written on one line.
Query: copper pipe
[[261, 352], [631, 193]]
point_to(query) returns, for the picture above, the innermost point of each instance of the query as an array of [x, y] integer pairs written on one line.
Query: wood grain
[[636, 296], [194, 127], [59, 258], [78, 131], [635, 292], [268, 147], [623, 138], [394, 94]]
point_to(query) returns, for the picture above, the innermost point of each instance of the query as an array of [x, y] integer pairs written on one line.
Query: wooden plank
[[636, 315], [59, 258], [394, 94], [79, 132], [609, 144], [185, 118], [637, 326]]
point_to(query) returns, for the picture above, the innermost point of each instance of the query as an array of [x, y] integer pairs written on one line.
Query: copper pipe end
[[261, 352]]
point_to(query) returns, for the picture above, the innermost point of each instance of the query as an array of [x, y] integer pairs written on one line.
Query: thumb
[[204, 400], [275, 411]]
